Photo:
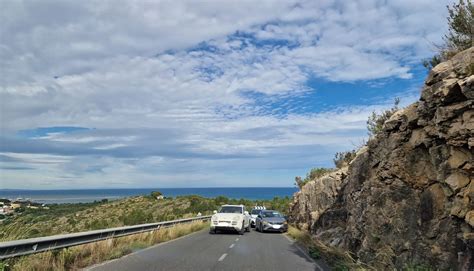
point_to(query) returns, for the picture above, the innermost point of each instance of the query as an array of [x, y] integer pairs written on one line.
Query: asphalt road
[[228, 251]]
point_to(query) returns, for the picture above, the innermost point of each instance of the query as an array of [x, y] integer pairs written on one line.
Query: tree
[[461, 26], [460, 33]]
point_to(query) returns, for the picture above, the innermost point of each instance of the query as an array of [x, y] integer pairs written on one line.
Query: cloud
[[167, 91]]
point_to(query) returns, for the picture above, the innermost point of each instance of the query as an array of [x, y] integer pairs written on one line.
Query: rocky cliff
[[407, 199]]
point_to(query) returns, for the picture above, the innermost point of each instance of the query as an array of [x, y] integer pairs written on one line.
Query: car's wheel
[[242, 230]]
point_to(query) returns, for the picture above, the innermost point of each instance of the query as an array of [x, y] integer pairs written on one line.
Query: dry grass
[[78, 257], [337, 258]]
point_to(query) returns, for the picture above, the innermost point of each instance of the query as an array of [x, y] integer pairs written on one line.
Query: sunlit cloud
[[189, 93]]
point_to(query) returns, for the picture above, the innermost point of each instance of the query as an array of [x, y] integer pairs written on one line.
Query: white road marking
[[222, 257], [304, 252], [236, 239], [231, 246]]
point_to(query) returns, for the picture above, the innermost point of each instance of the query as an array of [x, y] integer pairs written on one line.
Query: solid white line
[[222, 257], [304, 252], [231, 246], [236, 239]]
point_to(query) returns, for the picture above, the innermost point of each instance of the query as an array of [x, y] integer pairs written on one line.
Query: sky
[[102, 94]]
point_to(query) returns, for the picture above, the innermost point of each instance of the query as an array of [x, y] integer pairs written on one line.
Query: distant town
[[11, 206]]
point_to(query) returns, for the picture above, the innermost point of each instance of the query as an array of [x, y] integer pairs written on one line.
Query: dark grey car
[[269, 220]]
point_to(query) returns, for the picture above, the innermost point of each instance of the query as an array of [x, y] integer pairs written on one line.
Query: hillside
[[68, 218], [407, 199]]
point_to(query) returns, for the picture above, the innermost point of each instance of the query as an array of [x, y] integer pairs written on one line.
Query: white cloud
[[169, 79]]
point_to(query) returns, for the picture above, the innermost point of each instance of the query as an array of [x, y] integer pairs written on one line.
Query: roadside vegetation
[[69, 218], [337, 259], [78, 257]]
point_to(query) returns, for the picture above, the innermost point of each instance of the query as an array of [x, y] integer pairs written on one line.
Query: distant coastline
[[90, 195]]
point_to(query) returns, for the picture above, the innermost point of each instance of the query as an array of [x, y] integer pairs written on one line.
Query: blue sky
[[199, 94]]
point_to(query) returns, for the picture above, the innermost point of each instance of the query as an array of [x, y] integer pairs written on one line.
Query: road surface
[[228, 251]]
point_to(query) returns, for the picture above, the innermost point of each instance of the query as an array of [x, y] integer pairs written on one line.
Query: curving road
[[228, 251]]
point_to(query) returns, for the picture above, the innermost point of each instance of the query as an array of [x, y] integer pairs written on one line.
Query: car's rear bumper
[[225, 227], [278, 228]]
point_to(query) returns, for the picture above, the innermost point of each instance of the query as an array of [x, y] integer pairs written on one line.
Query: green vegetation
[[156, 194], [460, 33], [69, 218], [336, 258], [78, 257], [342, 159], [313, 174], [376, 121]]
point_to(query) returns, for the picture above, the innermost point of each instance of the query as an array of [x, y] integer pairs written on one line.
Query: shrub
[[155, 194], [376, 121], [314, 253], [460, 33], [219, 200], [313, 174], [460, 21], [342, 159], [136, 217]]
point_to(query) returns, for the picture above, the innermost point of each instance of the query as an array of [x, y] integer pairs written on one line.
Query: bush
[[313, 174], [376, 121], [219, 200], [460, 33], [314, 253], [461, 21], [342, 159], [135, 217], [155, 194]]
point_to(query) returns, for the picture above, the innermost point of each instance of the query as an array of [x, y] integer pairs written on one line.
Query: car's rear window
[[255, 212], [271, 214], [230, 210]]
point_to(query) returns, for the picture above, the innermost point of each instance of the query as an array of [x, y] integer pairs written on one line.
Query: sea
[[90, 195]]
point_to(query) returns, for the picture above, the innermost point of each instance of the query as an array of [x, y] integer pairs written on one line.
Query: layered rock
[[408, 196]]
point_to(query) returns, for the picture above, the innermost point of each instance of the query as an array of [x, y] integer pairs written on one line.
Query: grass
[[338, 259], [70, 218], [78, 257]]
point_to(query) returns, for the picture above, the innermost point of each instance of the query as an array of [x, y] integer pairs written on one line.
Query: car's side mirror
[[259, 216], [246, 213], [214, 212]]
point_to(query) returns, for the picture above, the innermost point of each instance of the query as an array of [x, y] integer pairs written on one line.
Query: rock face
[[408, 196]]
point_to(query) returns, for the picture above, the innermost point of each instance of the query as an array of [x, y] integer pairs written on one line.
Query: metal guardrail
[[17, 248]]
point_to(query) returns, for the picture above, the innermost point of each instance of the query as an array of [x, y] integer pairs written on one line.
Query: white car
[[230, 217], [254, 213]]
